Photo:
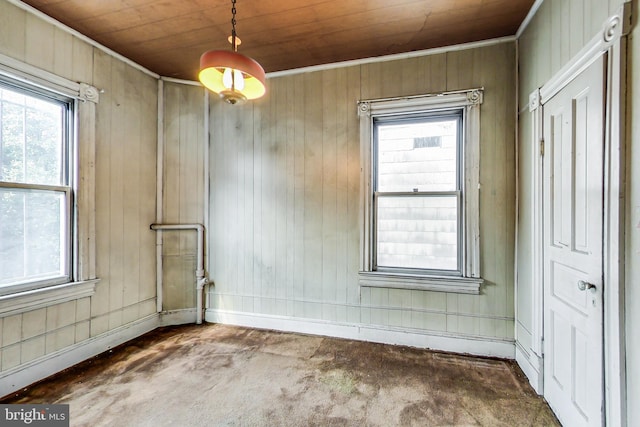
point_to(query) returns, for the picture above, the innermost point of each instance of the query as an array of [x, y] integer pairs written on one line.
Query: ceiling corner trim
[[528, 18], [181, 81], [393, 57], [81, 36]]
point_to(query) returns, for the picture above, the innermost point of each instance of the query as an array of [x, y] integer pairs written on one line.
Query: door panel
[[565, 290], [581, 165], [573, 202]]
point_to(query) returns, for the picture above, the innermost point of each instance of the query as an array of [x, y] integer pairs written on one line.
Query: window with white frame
[[420, 184], [417, 193], [36, 192], [47, 188]]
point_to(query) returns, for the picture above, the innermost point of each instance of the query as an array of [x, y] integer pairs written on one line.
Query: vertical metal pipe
[[206, 181], [159, 193], [201, 279], [517, 201]]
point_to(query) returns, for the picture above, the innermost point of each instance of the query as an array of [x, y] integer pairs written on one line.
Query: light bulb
[[238, 79], [227, 78], [233, 79]]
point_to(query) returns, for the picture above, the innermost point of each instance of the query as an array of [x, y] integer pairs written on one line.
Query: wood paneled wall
[[558, 31], [285, 176], [126, 129], [632, 249], [183, 190], [125, 165], [556, 34]]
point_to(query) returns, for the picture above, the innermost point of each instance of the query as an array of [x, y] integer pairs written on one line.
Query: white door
[[573, 207]]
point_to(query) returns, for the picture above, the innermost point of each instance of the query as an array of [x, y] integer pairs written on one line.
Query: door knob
[[583, 286]]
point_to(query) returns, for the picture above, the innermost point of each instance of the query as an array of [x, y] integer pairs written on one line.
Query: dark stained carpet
[[216, 375]]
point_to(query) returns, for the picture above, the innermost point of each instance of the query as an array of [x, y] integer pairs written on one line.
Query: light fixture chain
[[233, 17], [233, 25]]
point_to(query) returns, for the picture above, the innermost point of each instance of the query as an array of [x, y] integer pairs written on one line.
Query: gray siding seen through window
[[417, 192]]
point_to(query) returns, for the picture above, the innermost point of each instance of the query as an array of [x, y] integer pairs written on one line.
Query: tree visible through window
[[35, 187]]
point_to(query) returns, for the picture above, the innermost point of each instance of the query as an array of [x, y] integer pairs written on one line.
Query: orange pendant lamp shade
[[235, 77]]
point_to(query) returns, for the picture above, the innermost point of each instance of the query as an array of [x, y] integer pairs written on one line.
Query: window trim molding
[[31, 75], [21, 302], [469, 100], [83, 182], [383, 279]]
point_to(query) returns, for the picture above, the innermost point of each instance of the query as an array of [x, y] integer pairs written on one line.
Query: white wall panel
[[125, 131], [557, 32], [285, 197], [632, 282], [183, 190]]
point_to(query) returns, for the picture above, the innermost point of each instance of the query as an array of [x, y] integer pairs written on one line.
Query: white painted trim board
[[386, 335], [609, 41], [178, 317], [531, 371], [43, 367]]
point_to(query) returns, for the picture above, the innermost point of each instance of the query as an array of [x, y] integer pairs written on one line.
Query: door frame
[[612, 42]]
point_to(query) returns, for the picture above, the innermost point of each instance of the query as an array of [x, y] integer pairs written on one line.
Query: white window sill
[[35, 299], [460, 285]]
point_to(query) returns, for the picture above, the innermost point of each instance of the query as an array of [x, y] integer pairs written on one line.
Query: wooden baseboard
[[23, 375], [531, 366], [178, 317], [477, 346]]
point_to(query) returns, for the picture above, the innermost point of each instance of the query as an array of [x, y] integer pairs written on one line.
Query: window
[[47, 188], [36, 195], [421, 188], [417, 193]]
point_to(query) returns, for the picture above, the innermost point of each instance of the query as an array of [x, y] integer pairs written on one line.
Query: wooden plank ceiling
[[168, 36]]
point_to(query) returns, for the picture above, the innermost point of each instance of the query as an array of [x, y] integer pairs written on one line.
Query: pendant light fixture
[[235, 77]]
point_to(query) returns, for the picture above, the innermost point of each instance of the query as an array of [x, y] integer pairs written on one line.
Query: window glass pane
[[417, 156], [417, 232], [31, 139], [32, 230]]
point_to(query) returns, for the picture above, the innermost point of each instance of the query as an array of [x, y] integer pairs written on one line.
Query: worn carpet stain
[[216, 375]]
